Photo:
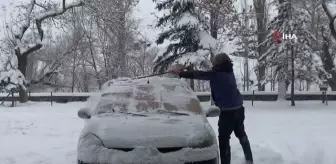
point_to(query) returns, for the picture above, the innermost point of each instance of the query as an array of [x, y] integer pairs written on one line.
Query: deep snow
[[37, 133]]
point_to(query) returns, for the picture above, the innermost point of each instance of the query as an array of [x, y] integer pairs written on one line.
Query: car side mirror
[[213, 111], [84, 113]]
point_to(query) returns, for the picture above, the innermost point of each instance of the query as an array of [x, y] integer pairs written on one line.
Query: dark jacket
[[223, 85]]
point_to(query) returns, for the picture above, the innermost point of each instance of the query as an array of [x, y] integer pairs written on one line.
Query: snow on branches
[[330, 10], [26, 35], [23, 48], [189, 42], [11, 78]]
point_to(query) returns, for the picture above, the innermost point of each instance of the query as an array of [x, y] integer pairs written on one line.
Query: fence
[[63, 97]]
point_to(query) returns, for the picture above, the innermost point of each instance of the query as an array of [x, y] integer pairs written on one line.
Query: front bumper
[[144, 155], [212, 161], [92, 151]]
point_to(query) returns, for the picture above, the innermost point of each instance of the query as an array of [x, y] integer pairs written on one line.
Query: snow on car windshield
[[167, 94]]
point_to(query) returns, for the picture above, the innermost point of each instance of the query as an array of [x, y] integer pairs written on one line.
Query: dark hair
[[221, 59]]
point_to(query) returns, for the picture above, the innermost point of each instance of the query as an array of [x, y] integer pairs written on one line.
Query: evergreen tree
[[246, 34], [290, 20], [189, 42]]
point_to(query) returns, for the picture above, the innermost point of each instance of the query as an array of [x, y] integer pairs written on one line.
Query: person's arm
[[199, 75]]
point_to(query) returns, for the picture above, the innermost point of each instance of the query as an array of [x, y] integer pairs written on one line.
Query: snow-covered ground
[[37, 133]]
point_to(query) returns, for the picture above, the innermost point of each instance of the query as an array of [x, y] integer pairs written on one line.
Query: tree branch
[[326, 10], [40, 5], [54, 13], [32, 49], [64, 5], [26, 24]]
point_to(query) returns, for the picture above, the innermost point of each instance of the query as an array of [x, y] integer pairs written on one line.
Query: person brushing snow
[[227, 97]]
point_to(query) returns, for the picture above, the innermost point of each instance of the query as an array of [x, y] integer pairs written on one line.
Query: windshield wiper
[[177, 113]]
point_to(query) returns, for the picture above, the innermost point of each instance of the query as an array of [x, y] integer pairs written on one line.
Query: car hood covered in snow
[[160, 131]]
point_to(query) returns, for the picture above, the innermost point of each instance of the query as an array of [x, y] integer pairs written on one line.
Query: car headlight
[[205, 142], [90, 139], [205, 139], [89, 144]]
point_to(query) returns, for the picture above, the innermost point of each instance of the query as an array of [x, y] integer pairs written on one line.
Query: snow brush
[[156, 74], [152, 75]]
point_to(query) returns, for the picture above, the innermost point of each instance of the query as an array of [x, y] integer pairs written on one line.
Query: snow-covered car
[[149, 121]]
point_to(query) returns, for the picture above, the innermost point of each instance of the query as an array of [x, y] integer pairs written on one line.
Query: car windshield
[[149, 98]]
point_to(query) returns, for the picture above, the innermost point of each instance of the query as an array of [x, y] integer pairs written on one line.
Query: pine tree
[[246, 34], [189, 42], [246, 41], [281, 55]]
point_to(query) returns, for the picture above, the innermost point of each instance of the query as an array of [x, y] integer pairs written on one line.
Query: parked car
[[151, 121]]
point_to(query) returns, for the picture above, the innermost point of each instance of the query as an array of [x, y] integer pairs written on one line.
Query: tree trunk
[[94, 65], [106, 66], [281, 90], [213, 27], [192, 81], [261, 77], [73, 73], [327, 61], [122, 39], [86, 80], [247, 75], [22, 66], [260, 7], [293, 76], [283, 80], [287, 84], [332, 82], [213, 31]]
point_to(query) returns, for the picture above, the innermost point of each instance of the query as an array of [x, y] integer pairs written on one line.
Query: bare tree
[[112, 17], [24, 45], [332, 17], [92, 37], [327, 57]]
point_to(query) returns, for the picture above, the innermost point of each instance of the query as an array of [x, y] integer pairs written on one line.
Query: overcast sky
[[143, 11]]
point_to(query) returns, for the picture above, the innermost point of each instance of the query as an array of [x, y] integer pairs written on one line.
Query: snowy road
[[40, 134]]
